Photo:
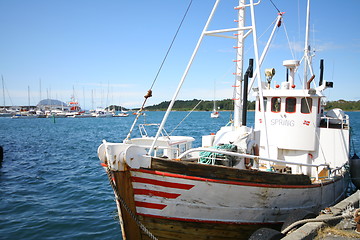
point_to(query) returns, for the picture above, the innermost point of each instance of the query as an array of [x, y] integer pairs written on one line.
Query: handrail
[[248, 156], [144, 133], [343, 122]]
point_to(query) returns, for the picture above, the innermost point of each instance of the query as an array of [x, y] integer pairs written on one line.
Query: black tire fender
[[297, 215], [266, 234]]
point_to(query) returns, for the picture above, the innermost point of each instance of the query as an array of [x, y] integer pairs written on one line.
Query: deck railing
[[255, 158]]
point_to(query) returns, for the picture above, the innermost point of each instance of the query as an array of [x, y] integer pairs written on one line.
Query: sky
[[106, 52]]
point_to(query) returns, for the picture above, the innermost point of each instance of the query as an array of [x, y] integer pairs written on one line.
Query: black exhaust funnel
[[248, 74]]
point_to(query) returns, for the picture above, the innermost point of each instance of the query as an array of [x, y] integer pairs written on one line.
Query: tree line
[[187, 105], [228, 104]]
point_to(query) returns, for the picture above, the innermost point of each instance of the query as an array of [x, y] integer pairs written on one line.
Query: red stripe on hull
[[207, 221], [150, 205], [162, 183], [154, 172], [155, 193]]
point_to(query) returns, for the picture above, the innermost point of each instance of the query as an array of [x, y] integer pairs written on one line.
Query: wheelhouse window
[[275, 104], [290, 105], [306, 105]]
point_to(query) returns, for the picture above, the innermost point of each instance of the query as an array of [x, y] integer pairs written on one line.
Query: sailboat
[[122, 113], [215, 113], [242, 178], [28, 113], [3, 111]]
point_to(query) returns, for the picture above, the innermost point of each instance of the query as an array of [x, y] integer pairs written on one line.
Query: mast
[[40, 88], [239, 66], [214, 107], [307, 46], [84, 98], [29, 97], [92, 99], [3, 87]]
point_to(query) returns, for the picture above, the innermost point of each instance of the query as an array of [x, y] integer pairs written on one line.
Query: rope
[[149, 94], [185, 117], [123, 203], [287, 37], [173, 40], [274, 6], [314, 220]]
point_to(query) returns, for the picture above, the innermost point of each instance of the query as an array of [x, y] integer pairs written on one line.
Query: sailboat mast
[[92, 99], [239, 65], [214, 97], [40, 89], [3, 87], [29, 97], [307, 46]]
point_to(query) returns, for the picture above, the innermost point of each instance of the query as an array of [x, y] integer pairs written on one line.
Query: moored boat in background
[[101, 113], [215, 114], [121, 114]]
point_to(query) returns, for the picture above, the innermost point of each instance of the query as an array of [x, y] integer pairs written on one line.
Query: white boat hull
[[210, 200], [215, 115]]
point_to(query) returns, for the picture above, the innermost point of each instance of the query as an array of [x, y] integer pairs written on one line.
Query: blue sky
[[108, 52]]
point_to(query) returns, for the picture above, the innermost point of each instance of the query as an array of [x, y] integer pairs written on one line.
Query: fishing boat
[[242, 178]]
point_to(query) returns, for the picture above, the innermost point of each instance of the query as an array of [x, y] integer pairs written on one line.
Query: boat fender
[[355, 170], [266, 234], [102, 154], [296, 215]]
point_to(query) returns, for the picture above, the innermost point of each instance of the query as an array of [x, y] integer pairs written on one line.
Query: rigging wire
[[289, 42], [149, 92], [185, 117], [275, 6], [172, 42]]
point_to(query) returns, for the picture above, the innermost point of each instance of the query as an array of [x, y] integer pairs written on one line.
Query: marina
[[60, 111]]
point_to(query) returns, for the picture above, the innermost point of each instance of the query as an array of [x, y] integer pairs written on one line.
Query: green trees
[[187, 105], [228, 105], [344, 105]]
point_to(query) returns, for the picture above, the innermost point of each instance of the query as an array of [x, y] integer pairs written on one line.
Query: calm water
[[51, 183]]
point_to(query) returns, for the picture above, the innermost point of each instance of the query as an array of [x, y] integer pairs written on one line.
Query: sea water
[[52, 185]]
